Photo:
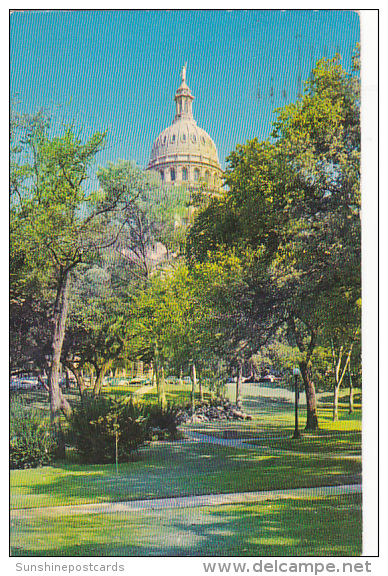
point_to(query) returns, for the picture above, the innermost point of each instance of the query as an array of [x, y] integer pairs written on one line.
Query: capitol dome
[[184, 152]]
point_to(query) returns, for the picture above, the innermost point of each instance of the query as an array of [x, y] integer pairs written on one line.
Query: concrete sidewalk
[[185, 502]]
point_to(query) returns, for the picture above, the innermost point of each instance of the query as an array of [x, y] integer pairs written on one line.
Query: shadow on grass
[[177, 469], [296, 527]]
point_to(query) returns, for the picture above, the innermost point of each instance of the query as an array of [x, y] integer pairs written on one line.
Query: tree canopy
[[269, 266], [292, 215]]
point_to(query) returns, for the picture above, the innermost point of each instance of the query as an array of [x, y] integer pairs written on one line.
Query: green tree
[[53, 224], [292, 215], [30, 315], [161, 318], [342, 332], [95, 335]]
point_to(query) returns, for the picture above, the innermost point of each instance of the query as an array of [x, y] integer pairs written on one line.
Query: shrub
[[31, 438], [100, 422], [161, 422]]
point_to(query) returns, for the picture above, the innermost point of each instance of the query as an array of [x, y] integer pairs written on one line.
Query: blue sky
[[119, 70]]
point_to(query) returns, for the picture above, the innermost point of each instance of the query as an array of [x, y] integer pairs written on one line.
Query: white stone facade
[[183, 152]]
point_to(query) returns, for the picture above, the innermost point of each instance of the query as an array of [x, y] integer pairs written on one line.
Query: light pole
[[296, 372]]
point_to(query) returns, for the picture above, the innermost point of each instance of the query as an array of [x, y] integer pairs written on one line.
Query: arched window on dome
[[185, 174], [173, 138], [172, 174], [196, 174], [162, 175], [207, 175]]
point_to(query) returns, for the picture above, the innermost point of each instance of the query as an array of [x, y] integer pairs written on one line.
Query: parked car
[[138, 381], [269, 378], [14, 384], [62, 382], [123, 382], [172, 380], [24, 384]]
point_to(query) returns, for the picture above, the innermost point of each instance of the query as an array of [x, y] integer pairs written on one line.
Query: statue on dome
[[183, 73]]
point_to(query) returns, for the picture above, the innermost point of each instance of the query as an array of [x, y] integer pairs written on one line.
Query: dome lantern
[[183, 99]]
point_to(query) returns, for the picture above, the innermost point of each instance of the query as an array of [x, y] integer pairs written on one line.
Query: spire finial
[[183, 73]]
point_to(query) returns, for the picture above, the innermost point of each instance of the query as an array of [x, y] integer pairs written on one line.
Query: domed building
[[183, 152]]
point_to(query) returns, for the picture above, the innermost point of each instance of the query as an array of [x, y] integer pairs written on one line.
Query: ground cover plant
[[271, 528], [31, 438]]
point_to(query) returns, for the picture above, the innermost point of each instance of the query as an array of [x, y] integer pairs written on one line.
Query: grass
[[293, 527], [175, 394], [279, 424], [120, 391], [178, 394], [329, 526], [346, 443], [176, 469]]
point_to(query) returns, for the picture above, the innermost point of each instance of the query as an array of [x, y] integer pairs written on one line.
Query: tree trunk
[[159, 373], [91, 376], [239, 385], [100, 377], [194, 385], [338, 377], [58, 403], [78, 375], [200, 388], [43, 383], [311, 404], [351, 392], [335, 403], [80, 381], [306, 371], [161, 388], [153, 374]]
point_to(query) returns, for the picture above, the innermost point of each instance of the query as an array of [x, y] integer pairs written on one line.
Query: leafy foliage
[[291, 216], [161, 422], [31, 438], [94, 426]]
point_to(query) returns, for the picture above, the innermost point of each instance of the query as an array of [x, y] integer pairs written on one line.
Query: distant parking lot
[[28, 383]]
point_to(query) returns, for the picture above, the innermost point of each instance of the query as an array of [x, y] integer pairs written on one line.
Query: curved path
[[185, 502]]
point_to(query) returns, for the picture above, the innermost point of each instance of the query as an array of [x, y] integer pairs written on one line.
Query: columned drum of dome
[[183, 152]]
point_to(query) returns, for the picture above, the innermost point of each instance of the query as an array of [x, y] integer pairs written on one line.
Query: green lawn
[[328, 526], [345, 444], [294, 527], [175, 394], [175, 469], [279, 424]]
